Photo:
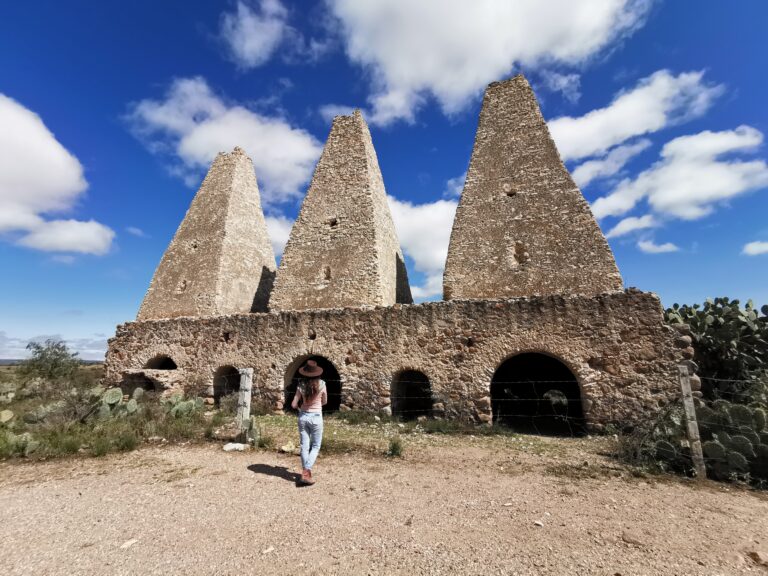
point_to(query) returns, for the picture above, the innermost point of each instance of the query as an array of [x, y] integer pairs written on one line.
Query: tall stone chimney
[[343, 250], [220, 261], [522, 226]]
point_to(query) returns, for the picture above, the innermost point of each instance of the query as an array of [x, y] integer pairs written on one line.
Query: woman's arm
[[296, 398], [324, 395]]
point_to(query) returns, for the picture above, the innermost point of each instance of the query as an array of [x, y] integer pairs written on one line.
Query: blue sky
[[110, 113]]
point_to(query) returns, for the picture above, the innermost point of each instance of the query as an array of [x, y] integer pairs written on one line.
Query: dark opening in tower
[[411, 395], [330, 376], [226, 381], [161, 362], [538, 394]]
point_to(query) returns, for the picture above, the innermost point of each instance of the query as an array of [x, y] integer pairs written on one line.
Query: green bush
[[395, 449]]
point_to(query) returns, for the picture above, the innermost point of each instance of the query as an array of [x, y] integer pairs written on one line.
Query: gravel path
[[467, 509]]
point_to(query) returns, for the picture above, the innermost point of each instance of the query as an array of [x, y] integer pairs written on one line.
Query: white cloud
[[454, 186], [650, 247], [134, 231], [90, 348], [631, 224], [451, 49], [656, 102], [609, 165], [755, 248], [70, 236], [279, 228], [691, 178], [194, 124], [38, 176], [329, 111], [567, 84], [424, 231], [253, 35]]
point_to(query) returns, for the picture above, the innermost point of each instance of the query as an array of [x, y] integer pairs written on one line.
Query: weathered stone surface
[[220, 261], [522, 226], [343, 250], [617, 328]]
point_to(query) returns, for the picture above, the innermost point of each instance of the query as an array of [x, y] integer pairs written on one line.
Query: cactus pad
[[737, 462], [113, 396], [713, 450]]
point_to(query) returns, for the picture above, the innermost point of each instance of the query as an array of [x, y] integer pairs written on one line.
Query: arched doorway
[[537, 393], [161, 362], [330, 376], [411, 395], [226, 380]]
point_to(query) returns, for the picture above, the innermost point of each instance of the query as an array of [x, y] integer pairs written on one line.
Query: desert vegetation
[[730, 341]]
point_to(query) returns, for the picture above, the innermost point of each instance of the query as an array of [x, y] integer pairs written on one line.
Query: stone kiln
[[535, 328]]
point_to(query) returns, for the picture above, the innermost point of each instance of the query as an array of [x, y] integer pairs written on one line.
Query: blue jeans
[[311, 435]]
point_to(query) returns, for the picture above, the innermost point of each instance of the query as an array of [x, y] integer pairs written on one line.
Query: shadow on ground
[[277, 471]]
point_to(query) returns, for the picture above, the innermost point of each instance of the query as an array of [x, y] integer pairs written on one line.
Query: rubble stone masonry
[[623, 357]]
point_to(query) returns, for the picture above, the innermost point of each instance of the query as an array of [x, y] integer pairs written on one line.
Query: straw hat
[[310, 369]]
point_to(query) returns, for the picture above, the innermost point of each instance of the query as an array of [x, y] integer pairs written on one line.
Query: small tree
[[51, 361]]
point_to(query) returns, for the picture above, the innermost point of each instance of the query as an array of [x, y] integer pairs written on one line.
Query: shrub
[[228, 403], [265, 441], [395, 449]]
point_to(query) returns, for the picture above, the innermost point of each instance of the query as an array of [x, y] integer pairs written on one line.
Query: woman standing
[[313, 396]]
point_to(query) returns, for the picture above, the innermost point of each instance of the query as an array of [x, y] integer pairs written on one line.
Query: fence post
[[691, 425], [244, 399]]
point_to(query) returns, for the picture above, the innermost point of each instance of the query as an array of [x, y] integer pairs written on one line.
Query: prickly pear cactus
[[138, 394], [113, 396], [183, 408], [735, 440], [131, 406], [5, 417]]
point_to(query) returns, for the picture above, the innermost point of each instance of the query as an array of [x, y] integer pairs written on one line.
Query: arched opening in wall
[[330, 376], [538, 394], [130, 382], [411, 395], [161, 362], [226, 381]]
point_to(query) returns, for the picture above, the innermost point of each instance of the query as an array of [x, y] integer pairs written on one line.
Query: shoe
[[309, 481], [304, 476]]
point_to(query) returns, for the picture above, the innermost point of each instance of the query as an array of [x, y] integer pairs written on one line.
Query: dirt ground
[[466, 505]]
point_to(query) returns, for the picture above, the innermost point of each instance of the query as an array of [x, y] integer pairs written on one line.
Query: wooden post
[[244, 400], [691, 425]]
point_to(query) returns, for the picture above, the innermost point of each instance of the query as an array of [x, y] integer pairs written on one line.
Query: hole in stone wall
[[194, 244], [130, 382], [181, 286], [411, 395], [508, 191], [226, 380], [333, 223], [311, 334], [227, 336], [327, 273], [538, 394], [161, 362], [330, 376]]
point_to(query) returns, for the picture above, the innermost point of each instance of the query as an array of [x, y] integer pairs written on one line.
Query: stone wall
[[522, 226], [616, 345]]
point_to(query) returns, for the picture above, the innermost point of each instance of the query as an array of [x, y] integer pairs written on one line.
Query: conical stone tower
[[343, 250], [522, 226], [220, 261]]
